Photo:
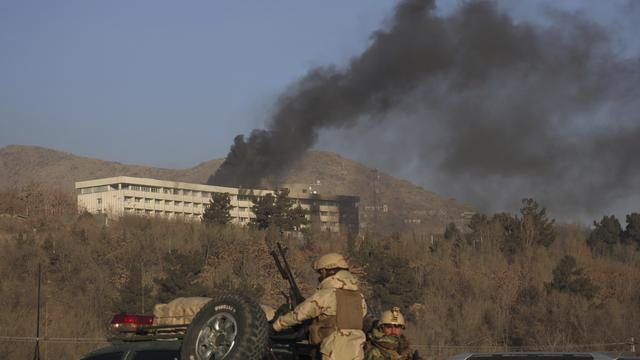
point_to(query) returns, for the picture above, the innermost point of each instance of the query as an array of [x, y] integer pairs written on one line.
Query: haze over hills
[[390, 203]]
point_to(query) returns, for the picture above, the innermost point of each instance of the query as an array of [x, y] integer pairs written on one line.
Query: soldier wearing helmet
[[337, 309], [386, 341]]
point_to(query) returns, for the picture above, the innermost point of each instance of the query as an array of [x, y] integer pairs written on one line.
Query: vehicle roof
[[541, 355], [136, 346]]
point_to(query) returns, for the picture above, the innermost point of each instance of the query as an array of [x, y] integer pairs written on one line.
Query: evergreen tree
[[264, 209], [505, 228], [511, 233], [181, 276], [134, 296], [477, 223], [631, 233], [278, 211], [534, 228], [605, 234], [217, 212], [485, 231], [288, 217], [453, 234], [392, 281], [568, 278]]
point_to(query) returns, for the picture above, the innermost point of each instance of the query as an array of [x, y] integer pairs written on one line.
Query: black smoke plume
[[549, 111]]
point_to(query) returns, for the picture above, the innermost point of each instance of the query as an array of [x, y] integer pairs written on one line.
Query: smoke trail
[[329, 97], [545, 111]]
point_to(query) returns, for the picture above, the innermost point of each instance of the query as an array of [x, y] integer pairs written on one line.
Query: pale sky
[[167, 83], [161, 83]]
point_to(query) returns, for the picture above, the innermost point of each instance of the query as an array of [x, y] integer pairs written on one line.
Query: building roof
[[203, 187]]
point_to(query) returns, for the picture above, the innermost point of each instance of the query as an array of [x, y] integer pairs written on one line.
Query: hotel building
[[122, 195]]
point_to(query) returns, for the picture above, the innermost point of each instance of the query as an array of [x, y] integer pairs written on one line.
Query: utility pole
[[142, 284], [375, 200], [36, 355], [632, 342]]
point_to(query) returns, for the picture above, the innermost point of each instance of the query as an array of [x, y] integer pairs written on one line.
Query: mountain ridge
[[386, 202]]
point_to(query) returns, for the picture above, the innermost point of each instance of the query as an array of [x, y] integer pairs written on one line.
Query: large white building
[[117, 196]]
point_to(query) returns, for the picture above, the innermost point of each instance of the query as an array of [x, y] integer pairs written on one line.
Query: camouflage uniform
[[387, 347], [339, 344]]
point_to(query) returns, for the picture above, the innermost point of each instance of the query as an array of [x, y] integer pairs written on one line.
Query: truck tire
[[229, 327]]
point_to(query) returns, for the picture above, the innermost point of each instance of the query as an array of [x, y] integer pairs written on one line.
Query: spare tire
[[230, 327]]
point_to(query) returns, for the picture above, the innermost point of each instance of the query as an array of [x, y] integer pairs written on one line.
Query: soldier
[[386, 342], [337, 309]]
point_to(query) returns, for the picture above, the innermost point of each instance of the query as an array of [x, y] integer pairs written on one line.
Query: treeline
[[608, 234], [36, 201], [515, 282], [505, 282]]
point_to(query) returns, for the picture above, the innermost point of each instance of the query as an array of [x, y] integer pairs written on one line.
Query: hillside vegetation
[[506, 282], [385, 201]]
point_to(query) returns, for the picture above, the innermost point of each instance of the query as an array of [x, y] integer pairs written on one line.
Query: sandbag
[[181, 311]]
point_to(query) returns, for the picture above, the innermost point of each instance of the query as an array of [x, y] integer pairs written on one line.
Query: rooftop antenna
[[36, 355]]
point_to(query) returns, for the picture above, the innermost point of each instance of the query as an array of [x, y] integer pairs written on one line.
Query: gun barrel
[[285, 271], [281, 270]]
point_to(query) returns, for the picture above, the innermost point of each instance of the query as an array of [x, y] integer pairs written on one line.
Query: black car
[[138, 350], [542, 356], [230, 326]]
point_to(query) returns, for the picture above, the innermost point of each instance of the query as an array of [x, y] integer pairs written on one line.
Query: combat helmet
[[392, 317], [330, 261]]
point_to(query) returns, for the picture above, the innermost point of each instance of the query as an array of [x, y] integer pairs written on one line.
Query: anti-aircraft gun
[[289, 342], [231, 327], [235, 327], [280, 259]]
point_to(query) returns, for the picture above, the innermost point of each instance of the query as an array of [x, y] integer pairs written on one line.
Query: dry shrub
[[470, 296]]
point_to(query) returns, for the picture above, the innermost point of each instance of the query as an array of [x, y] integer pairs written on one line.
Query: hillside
[[388, 202]]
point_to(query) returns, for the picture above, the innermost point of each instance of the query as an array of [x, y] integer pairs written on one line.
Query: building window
[[91, 190], [99, 201], [138, 199], [176, 191], [158, 201], [186, 192], [196, 193], [168, 202], [147, 201]]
